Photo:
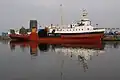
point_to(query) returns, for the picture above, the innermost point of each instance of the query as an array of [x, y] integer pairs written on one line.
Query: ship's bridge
[[83, 22], [86, 22]]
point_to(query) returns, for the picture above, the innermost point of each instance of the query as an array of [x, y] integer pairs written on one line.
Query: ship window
[[79, 29], [76, 29], [71, 25], [82, 29], [87, 28], [81, 24]]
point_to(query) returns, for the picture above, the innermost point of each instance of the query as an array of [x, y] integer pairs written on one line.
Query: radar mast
[[61, 14], [84, 14]]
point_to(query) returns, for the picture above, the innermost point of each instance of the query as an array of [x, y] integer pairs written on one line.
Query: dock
[[111, 38]]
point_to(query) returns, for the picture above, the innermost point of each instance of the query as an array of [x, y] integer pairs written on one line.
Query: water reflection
[[4, 41], [113, 44], [33, 46], [12, 47], [43, 47], [83, 61], [81, 52]]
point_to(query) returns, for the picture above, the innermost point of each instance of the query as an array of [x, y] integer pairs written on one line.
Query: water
[[19, 61]]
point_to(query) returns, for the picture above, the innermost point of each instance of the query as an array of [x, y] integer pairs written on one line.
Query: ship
[[79, 32]]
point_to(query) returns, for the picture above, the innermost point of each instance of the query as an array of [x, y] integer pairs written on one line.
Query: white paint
[[82, 26], [86, 53]]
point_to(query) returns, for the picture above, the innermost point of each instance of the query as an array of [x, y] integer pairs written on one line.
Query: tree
[[23, 30], [12, 31]]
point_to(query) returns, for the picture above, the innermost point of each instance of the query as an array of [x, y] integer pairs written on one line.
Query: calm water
[[19, 61]]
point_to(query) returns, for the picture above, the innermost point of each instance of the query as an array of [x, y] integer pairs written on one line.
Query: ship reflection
[[114, 44], [43, 47], [12, 47], [82, 52], [33, 49], [83, 61]]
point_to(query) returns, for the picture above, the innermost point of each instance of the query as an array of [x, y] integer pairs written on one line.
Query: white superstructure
[[82, 26]]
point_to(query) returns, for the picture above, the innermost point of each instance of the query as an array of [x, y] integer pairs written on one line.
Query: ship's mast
[[61, 14]]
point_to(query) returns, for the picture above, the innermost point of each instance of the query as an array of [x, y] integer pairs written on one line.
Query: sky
[[17, 13]]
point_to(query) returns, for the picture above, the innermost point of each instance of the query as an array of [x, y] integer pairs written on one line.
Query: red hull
[[19, 37], [81, 36], [66, 41], [85, 38]]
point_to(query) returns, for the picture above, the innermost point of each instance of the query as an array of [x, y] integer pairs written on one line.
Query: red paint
[[82, 36], [86, 38], [19, 37], [33, 37], [60, 40], [34, 45]]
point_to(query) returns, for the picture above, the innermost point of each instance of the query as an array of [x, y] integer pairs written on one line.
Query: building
[[4, 34], [33, 23]]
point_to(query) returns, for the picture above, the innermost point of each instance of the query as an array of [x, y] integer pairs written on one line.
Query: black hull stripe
[[80, 33]]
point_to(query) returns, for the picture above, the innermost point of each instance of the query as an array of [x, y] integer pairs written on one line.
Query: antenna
[[61, 14]]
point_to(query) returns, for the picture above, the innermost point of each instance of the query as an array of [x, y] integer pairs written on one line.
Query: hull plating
[[85, 38]]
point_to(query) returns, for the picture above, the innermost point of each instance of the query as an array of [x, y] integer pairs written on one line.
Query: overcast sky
[[17, 13]]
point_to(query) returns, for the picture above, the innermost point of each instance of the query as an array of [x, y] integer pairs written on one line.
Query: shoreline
[[106, 38], [4, 38]]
